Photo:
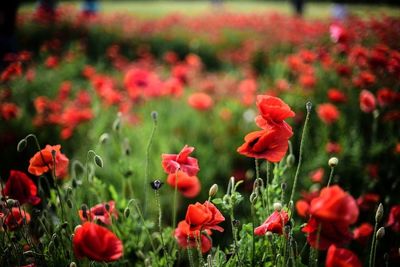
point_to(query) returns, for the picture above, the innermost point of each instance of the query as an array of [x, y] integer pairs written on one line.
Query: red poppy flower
[[333, 148], [42, 162], [189, 186], [204, 216], [334, 205], [317, 176], [101, 212], [174, 162], [368, 201], [15, 218], [336, 96], [385, 97], [328, 113], [341, 257], [96, 243], [270, 144], [394, 218], [187, 238], [330, 233], [9, 111], [21, 188], [200, 101], [367, 101], [302, 208], [274, 223], [363, 232], [273, 108]]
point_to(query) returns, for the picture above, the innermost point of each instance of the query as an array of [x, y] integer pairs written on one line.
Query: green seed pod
[[290, 160], [213, 190]]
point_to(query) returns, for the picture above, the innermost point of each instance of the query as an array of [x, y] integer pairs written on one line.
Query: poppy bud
[[72, 264], [213, 190], [104, 138], [98, 160], [127, 212], [290, 160], [126, 147], [209, 260], [308, 106], [156, 184], [117, 123], [380, 233], [154, 116], [277, 206], [21, 145], [333, 162], [269, 234], [12, 202], [253, 198], [249, 174], [379, 213]]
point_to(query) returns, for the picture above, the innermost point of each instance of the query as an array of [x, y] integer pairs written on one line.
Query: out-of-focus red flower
[[362, 233], [142, 83], [394, 218], [42, 162], [333, 148], [308, 81], [180, 72], [335, 205], [174, 162], [364, 79], [373, 170], [204, 216], [189, 186], [170, 57], [172, 87], [9, 111], [96, 243], [14, 69], [270, 144], [330, 233], [187, 238], [317, 175], [386, 97], [102, 212], [336, 96], [88, 71], [328, 113], [51, 62], [15, 218], [341, 257], [367, 101], [302, 208], [200, 101], [21, 188], [274, 223], [338, 33], [368, 202]]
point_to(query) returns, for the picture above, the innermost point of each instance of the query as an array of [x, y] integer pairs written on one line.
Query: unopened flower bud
[[213, 190], [12, 202], [72, 264], [379, 213], [277, 206], [380, 233], [104, 138], [269, 234], [308, 106], [127, 212], [117, 123], [290, 160], [154, 115], [21, 145], [98, 160], [333, 162], [156, 184]]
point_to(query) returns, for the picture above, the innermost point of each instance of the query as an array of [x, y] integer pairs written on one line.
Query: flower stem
[[146, 170], [174, 211], [160, 227], [373, 247], [296, 176], [330, 177]]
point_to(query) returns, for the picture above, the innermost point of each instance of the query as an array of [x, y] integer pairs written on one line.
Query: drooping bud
[[333, 162], [117, 123], [380, 233], [213, 190], [72, 264], [104, 138], [290, 160], [277, 206], [127, 212], [98, 160], [308, 106]]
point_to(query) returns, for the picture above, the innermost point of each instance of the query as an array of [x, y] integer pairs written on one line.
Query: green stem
[[296, 176], [146, 170], [267, 188], [174, 211], [330, 177], [371, 255], [160, 227]]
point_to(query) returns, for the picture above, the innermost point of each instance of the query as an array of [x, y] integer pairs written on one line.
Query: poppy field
[[220, 139]]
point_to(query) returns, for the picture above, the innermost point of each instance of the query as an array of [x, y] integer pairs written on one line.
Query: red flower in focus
[[102, 212], [363, 232], [204, 216], [394, 218], [15, 218], [368, 202], [189, 186], [42, 162], [270, 144], [331, 233], [187, 238], [335, 205], [328, 113], [318, 175], [341, 257], [96, 243], [367, 101], [200, 101], [174, 162], [273, 109], [274, 223], [336, 96], [21, 188]]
